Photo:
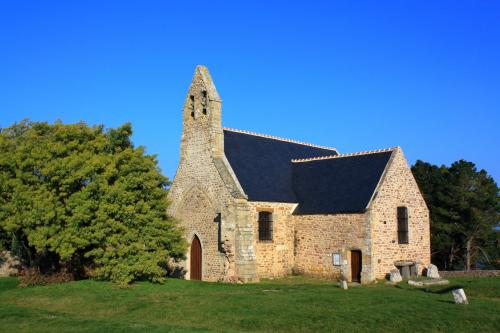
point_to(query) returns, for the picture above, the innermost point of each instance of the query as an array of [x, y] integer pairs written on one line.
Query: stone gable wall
[[198, 215], [204, 186], [316, 237], [274, 258], [398, 188], [197, 194]]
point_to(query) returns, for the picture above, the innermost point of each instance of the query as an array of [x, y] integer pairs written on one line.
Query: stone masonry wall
[[274, 258], [316, 237], [398, 188]]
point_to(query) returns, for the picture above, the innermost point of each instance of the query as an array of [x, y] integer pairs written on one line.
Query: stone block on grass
[[459, 296], [395, 276], [432, 272]]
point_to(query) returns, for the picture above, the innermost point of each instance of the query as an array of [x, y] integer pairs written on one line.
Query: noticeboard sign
[[336, 259]]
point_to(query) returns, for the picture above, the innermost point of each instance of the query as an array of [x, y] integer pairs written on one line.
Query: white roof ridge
[[344, 155], [278, 138]]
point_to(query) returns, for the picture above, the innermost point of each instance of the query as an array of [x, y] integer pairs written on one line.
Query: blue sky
[[356, 75]]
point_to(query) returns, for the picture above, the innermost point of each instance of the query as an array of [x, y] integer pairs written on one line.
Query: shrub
[[33, 277], [73, 196]]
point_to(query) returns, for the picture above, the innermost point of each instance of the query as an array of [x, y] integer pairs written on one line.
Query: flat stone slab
[[431, 282], [404, 263]]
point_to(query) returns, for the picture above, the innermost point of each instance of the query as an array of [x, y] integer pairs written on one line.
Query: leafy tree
[[464, 208], [81, 198], [432, 182], [492, 250], [477, 205]]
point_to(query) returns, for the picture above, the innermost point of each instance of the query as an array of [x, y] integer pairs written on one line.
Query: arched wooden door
[[195, 258], [356, 265]]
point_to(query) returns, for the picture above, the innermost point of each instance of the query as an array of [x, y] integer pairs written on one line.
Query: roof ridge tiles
[[279, 138], [344, 155]]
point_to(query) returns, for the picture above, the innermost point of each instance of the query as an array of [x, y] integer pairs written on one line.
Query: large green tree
[[464, 206], [86, 200]]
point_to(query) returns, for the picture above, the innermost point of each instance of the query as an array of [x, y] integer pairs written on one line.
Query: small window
[[204, 101], [265, 226], [191, 98], [402, 225]]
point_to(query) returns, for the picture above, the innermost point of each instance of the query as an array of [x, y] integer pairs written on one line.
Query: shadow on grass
[[432, 290], [447, 302], [445, 289]]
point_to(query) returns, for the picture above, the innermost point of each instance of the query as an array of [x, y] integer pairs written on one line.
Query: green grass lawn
[[292, 304]]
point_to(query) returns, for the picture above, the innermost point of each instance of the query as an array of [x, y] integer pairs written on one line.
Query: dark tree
[[464, 206]]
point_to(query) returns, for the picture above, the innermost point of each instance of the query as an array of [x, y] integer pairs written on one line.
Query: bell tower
[[201, 114]]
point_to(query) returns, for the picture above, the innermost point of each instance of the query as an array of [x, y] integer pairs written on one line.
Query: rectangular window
[[265, 226], [402, 225]]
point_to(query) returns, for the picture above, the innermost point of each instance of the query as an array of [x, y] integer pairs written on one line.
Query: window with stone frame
[[265, 226], [402, 225]]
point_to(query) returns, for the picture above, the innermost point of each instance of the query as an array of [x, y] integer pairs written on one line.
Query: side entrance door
[[195, 258], [356, 266]]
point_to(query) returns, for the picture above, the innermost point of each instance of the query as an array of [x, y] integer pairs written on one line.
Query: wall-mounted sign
[[336, 259]]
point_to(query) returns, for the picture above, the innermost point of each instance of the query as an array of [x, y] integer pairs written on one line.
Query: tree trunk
[[468, 254], [451, 256]]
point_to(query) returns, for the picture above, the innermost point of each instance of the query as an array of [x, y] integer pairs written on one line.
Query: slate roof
[[344, 184], [319, 179], [263, 165]]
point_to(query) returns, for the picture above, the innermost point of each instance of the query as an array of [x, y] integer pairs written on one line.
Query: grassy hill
[[294, 304]]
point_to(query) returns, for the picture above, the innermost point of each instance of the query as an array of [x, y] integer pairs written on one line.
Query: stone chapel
[[257, 206]]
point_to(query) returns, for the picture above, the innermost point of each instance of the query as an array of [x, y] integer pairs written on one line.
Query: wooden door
[[356, 266], [195, 258]]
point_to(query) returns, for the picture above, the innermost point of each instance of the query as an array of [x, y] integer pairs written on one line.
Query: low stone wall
[[9, 265], [477, 273]]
